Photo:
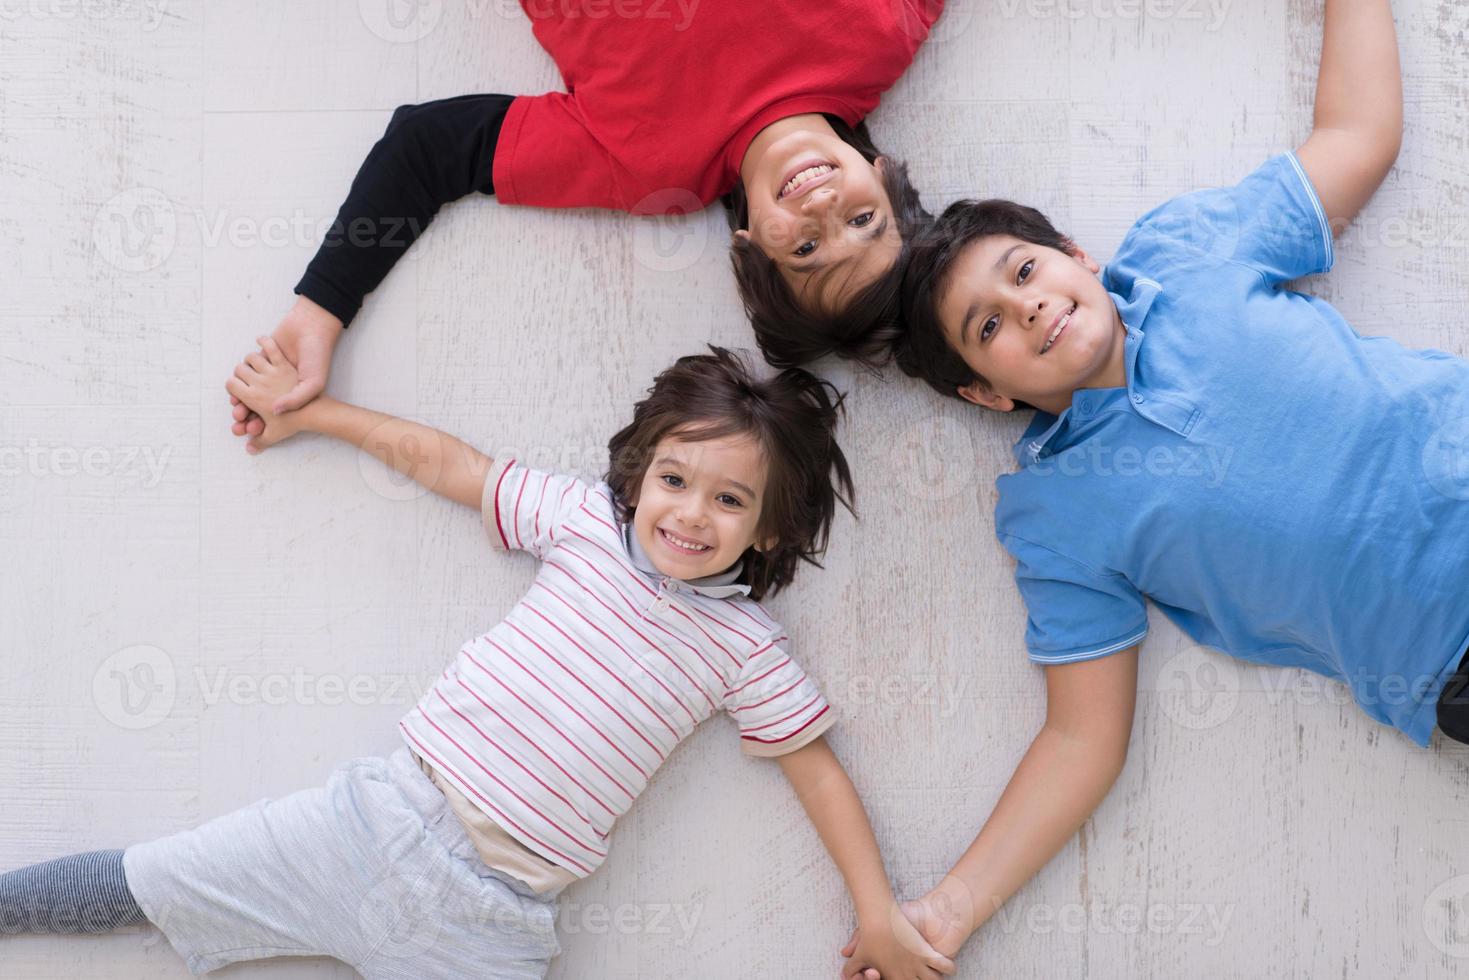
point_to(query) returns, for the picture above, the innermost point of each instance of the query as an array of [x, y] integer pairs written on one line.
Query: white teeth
[[1057, 332], [805, 175], [691, 545]]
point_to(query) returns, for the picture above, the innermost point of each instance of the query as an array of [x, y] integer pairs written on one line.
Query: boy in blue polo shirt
[[1283, 489]]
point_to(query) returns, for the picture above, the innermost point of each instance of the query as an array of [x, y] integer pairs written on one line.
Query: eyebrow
[[669, 460], [867, 236], [1003, 261]]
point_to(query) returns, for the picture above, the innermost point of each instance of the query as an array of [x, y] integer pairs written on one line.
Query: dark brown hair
[[923, 350], [792, 416], [790, 334]]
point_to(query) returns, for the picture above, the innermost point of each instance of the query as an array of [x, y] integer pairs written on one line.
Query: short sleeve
[[1073, 613], [524, 508], [777, 707], [546, 157], [1272, 222]]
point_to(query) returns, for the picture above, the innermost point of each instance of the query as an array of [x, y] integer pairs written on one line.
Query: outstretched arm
[[1067, 772], [429, 155], [437, 460], [890, 947], [1359, 108]]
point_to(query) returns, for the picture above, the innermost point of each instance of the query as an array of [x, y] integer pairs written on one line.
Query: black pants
[[1453, 704]]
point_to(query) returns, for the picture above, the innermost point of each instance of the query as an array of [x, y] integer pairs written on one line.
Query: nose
[[1036, 309], [691, 514], [819, 200]]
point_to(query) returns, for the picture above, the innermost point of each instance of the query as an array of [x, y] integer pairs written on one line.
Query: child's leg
[[79, 893], [355, 870]]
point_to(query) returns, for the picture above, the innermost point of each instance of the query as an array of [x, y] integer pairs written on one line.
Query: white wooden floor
[[185, 629]]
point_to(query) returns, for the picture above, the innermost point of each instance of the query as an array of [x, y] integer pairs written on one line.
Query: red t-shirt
[[664, 96]]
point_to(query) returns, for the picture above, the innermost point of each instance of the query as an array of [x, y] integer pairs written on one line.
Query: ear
[[743, 234], [977, 394], [1079, 254], [881, 163]]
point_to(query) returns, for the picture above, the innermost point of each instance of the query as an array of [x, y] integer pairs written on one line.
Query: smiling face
[[698, 505], [1033, 321], [818, 210]]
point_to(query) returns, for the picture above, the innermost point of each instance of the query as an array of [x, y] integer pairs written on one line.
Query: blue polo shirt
[[1283, 489]]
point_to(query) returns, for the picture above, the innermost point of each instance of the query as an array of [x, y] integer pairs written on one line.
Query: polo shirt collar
[[1048, 434], [718, 586]]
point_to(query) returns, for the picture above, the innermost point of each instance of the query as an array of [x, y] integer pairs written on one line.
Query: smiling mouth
[[682, 545], [1060, 326], [809, 172]]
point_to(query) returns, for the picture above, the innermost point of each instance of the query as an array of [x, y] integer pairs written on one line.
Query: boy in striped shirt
[[642, 621]]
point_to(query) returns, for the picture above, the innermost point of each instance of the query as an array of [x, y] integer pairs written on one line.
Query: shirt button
[[1137, 399]]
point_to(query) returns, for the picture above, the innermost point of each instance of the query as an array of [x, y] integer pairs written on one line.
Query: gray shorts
[[372, 869]]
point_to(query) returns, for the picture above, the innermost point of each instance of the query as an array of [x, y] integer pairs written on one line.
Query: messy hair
[[791, 333], [922, 350], [791, 416]]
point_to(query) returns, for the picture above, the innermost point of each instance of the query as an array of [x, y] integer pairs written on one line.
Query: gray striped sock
[[80, 893]]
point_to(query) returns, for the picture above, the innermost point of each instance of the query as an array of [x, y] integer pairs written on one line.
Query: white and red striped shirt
[[553, 721]]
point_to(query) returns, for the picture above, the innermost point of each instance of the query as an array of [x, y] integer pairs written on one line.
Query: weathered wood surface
[[157, 162]]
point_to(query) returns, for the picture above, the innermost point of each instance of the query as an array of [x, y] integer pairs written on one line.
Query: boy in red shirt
[[666, 109]]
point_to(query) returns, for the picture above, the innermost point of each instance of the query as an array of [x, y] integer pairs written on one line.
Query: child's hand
[[308, 335], [893, 949], [260, 380]]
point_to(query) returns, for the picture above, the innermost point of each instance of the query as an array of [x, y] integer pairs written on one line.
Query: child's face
[[699, 503], [819, 210], [1003, 302]]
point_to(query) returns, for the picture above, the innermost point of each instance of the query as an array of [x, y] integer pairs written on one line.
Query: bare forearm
[[437, 460], [836, 811], [1058, 784]]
